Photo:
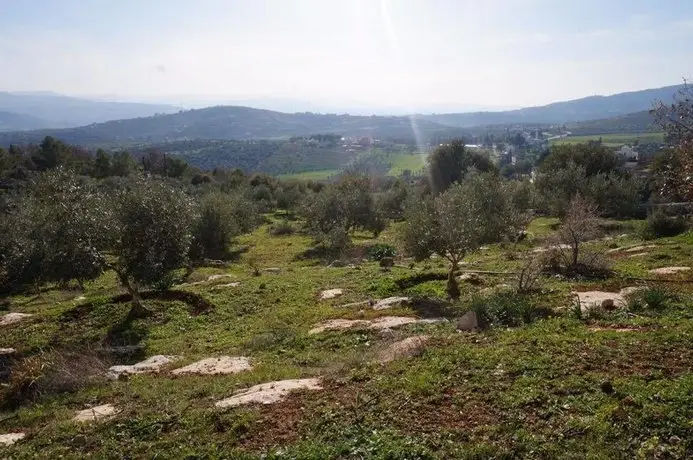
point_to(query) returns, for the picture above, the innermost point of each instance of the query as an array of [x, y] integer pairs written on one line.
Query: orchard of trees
[[67, 215]]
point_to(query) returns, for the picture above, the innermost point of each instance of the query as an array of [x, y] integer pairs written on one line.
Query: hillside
[[608, 384], [638, 122], [588, 108], [58, 111], [227, 122], [10, 121]]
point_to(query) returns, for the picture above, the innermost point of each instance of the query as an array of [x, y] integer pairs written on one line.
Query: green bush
[[659, 225], [380, 250], [282, 228], [655, 299], [505, 309]]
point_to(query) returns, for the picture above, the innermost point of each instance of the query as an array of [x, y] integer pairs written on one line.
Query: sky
[[369, 54]]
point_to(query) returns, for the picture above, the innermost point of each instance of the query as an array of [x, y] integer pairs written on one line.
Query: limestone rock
[[407, 348], [7, 351], [269, 393], [467, 322], [471, 278], [216, 366], [149, 365], [390, 302], [273, 270], [669, 270], [10, 438], [95, 413], [330, 294], [13, 318]]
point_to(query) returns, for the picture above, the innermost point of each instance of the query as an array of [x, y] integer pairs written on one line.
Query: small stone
[[467, 322], [330, 294], [390, 302], [274, 270], [674, 440], [95, 413], [407, 348], [7, 351], [337, 264], [11, 438], [218, 277], [471, 278], [228, 285], [13, 318]]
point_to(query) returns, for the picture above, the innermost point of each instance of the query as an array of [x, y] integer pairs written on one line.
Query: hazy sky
[[398, 53]]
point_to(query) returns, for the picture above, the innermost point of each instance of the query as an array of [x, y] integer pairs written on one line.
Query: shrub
[[51, 373], [659, 225], [214, 228], [655, 299], [380, 250], [505, 309], [282, 228]]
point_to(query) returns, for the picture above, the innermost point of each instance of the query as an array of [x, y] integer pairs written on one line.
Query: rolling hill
[[58, 111], [594, 114], [10, 121], [588, 108], [224, 123]]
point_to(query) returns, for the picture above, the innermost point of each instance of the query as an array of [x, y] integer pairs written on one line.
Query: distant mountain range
[[587, 108], [49, 110], [244, 123]]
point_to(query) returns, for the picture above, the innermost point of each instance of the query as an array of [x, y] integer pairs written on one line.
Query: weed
[[282, 228], [380, 251]]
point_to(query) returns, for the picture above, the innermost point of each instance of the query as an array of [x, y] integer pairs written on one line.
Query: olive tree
[[341, 208], [468, 214], [57, 231], [449, 163], [214, 227], [152, 234]]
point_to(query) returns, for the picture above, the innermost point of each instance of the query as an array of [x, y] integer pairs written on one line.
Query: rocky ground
[[355, 360]]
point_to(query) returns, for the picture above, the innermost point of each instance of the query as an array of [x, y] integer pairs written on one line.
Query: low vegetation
[[448, 319]]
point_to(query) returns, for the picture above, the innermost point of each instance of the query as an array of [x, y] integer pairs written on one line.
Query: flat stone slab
[[13, 318], [216, 366], [669, 270], [7, 351], [330, 294], [384, 322], [272, 270], [228, 285], [269, 393], [219, 277], [590, 299], [640, 248], [390, 302], [10, 438], [95, 413], [467, 322], [149, 365], [614, 329], [407, 348]]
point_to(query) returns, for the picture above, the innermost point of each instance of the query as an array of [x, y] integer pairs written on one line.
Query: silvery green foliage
[[467, 215], [152, 232], [56, 231]]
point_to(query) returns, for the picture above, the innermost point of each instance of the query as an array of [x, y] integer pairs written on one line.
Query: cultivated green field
[[545, 382], [612, 140], [415, 162], [311, 175]]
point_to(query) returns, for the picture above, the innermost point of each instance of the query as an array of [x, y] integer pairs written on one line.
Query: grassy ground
[[311, 175], [553, 388], [612, 140], [415, 163]]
